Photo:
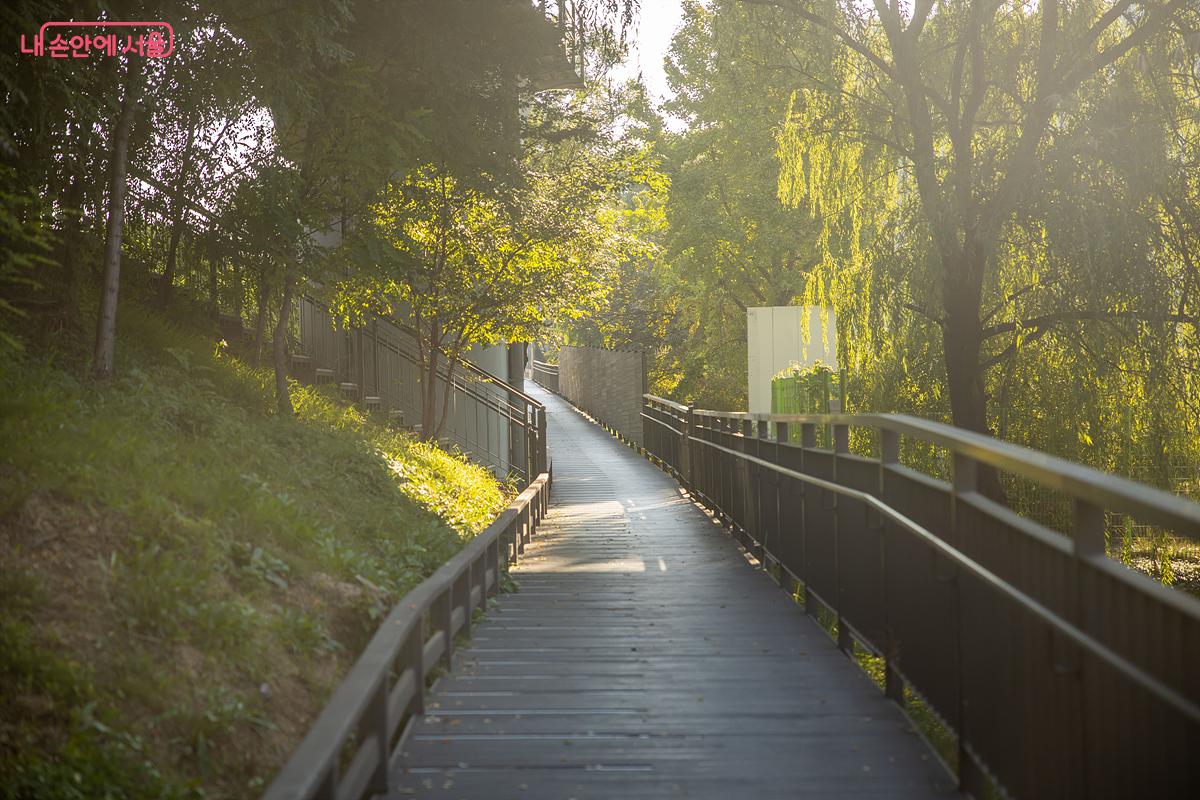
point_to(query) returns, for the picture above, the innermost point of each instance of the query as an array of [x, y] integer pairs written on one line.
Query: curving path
[[644, 657]]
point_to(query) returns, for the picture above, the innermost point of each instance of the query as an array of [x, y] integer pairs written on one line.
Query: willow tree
[[730, 241], [719, 239], [966, 111]]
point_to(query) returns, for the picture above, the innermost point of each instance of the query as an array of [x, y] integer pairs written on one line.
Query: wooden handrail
[[1030, 645], [1165, 693], [378, 700], [1101, 488], [509, 403]]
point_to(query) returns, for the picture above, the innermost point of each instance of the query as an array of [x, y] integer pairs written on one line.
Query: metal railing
[[346, 754], [1059, 672], [545, 375], [378, 364]]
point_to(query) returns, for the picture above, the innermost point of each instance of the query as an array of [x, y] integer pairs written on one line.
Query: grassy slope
[[183, 574]]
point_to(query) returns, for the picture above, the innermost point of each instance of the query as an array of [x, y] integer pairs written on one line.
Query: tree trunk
[[238, 292], [213, 307], [283, 397], [106, 325], [167, 284], [962, 341], [167, 281], [429, 403], [451, 362], [260, 322], [72, 235]]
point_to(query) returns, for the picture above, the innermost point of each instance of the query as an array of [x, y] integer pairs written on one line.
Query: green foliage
[[1002, 193], [816, 389], [470, 260], [804, 178], [716, 239], [24, 244], [208, 541], [44, 692]]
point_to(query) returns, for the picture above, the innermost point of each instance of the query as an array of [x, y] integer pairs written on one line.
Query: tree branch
[[1070, 78], [1051, 320], [833, 28], [916, 309], [1014, 296]]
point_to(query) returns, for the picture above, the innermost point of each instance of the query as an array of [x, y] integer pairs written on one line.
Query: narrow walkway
[[645, 658]]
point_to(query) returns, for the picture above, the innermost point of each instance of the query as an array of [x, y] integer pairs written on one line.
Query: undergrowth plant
[[187, 573]]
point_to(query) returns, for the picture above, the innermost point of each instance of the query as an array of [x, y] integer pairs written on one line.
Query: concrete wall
[[607, 384]]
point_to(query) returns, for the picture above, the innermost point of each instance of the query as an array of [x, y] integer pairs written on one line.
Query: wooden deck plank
[[644, 657]]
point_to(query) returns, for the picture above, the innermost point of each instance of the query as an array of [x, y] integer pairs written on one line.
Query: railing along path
[[1059, 671], [378, 364], [545, 375], [347, 752]]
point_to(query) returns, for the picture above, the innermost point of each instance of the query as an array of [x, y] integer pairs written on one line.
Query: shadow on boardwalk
[[644, 657]]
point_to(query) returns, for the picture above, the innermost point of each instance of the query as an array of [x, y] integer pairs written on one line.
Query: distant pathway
[[645, 658]]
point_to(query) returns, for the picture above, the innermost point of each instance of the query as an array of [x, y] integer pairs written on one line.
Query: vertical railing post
[[493, 564], [413, 657], [808, 441], [522, 429], [374, 728], [541, 439], [478, 580], [781, 438], [441, 614], [763, 434], [686, 453], [730, 464], [329, 782], [649, 434], [1088, 543], [743, 503], [841, 447], [462, 587], [965, 481], [889, 456], [721, 464]]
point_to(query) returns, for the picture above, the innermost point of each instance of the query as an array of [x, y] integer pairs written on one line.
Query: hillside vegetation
[[185, 574]]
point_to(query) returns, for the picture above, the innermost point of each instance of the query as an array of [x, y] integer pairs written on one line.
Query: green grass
[[183, 573]]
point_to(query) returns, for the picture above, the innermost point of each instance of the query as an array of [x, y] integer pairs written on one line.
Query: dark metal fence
[[377, 365], [346, 754], [545, 375], [1060, 672]]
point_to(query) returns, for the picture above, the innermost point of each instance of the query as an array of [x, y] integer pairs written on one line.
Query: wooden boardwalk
[[644, 657]]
